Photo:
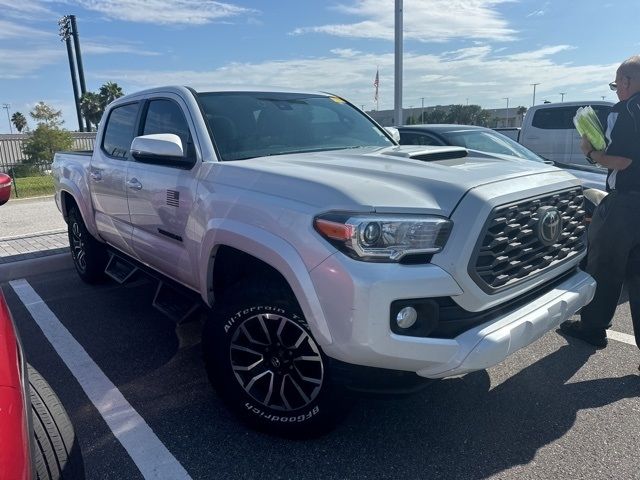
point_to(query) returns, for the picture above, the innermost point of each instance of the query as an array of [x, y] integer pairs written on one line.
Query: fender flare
[[85, 207], [274, 251]]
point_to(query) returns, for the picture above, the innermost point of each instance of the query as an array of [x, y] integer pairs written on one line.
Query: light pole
[[398, 64], [507, 99], [534, 93], [422, 111], [6, 106], [65, 35], [603, 97], [562, 94]]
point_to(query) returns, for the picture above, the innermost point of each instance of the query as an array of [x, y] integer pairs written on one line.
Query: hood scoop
[[428, 154]]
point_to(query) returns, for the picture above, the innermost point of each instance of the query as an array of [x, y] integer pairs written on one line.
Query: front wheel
[[89, 255], [267, 367]]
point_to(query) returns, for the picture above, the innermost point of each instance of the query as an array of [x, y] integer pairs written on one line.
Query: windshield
[[490, 142], [254, 124]]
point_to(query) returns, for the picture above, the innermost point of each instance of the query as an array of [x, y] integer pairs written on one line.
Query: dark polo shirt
[[623, 139]]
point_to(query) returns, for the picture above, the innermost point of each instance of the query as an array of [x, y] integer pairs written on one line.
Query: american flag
[[376, 83]]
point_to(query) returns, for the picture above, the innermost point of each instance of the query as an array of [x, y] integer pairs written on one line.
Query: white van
[[548, 130]]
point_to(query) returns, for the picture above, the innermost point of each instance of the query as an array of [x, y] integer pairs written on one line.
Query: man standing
[[615, 229]]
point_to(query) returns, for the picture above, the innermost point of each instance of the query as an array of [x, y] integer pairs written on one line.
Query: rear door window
[[561, 118], [119, 130]]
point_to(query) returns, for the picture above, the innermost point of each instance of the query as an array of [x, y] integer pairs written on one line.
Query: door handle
[[95, 175], [134, 184]]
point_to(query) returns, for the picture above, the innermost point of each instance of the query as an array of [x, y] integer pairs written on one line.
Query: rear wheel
[[56, 452], [89, 255], [265, 364]]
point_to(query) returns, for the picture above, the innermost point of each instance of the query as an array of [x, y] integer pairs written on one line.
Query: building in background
[[503, 118]]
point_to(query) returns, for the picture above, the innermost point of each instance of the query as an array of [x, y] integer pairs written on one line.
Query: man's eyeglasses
[[613, 86]]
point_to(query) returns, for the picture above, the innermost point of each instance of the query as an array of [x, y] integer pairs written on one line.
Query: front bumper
[[356, 299]]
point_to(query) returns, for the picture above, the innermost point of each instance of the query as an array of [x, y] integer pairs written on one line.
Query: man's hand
[[585, 145]]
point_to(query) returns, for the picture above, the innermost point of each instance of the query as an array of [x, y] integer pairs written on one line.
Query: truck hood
[[402, 179]]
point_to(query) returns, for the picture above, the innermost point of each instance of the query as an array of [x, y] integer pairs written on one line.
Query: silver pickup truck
[[324, 255]]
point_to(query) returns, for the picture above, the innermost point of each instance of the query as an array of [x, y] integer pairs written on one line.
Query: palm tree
[[19, 121], [109, 92], [91, 106]]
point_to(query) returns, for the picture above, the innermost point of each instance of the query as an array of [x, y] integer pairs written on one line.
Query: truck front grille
[[514, 247]]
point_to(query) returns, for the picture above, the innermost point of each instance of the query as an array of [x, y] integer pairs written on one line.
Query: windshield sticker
[[337, 99]]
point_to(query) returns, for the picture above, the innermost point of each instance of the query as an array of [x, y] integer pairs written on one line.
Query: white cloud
[[165, 12], [424, 20], [476, 73], [18, 63], [96, 48], [14, 30]]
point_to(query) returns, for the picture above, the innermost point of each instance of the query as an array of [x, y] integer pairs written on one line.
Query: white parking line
[[621, 337], [146, 450]]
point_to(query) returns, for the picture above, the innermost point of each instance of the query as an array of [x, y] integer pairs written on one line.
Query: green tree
[[45, 140], [19, 121], [469, 115], [93, 104], [47, 115], [437, 115], [109, 92], [91, 107]]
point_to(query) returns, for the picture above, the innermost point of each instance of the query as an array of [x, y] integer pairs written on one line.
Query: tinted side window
[[412, 138], [165, 116], [119, 130], [562, 117]]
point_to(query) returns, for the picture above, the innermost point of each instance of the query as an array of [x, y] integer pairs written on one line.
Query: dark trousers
[[614, 260]]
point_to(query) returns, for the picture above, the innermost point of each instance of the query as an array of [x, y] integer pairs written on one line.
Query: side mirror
[[5, 188], [394, 132], [160, 147]]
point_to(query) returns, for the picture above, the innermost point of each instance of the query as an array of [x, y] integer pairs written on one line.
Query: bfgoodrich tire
[[89, 255], [56, 452], [265, 364]]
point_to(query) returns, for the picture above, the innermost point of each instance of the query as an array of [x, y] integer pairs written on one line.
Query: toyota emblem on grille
[[549, 225]]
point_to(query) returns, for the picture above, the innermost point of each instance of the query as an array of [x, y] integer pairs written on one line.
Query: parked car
[[324, 254], [37, 439], [548, 130], [512, 132], [5, 188], [489, 141]]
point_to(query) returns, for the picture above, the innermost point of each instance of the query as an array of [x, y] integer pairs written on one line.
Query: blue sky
[[480, 50]]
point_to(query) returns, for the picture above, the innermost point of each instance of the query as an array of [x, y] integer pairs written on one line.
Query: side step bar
[[174, 304], [174, 300], [119, 269]]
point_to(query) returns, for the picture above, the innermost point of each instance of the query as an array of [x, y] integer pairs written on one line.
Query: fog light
[[406, 317]]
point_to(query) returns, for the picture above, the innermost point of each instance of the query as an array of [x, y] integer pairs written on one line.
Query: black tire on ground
[[56, 451], [266, 366], [89, 255]]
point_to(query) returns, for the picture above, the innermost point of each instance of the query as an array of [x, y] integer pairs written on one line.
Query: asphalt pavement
[[135, 387], [556, 409]]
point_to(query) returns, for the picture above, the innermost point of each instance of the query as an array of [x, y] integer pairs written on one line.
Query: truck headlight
[[386, 238]]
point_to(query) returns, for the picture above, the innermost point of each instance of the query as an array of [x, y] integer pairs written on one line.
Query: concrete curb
[[35, 266]]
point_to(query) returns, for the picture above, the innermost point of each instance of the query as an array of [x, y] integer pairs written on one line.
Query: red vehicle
[[5, 188], [37, 440]]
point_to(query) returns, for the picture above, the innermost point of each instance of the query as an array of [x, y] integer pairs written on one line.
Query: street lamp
[[6, 106], [507, 99], [603, 97], [534, 93], [562, 96]]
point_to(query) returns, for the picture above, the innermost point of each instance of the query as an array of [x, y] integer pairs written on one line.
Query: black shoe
[[575, 329]]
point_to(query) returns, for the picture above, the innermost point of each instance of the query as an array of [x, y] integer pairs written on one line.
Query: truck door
[[161, 193], [107, 176]]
